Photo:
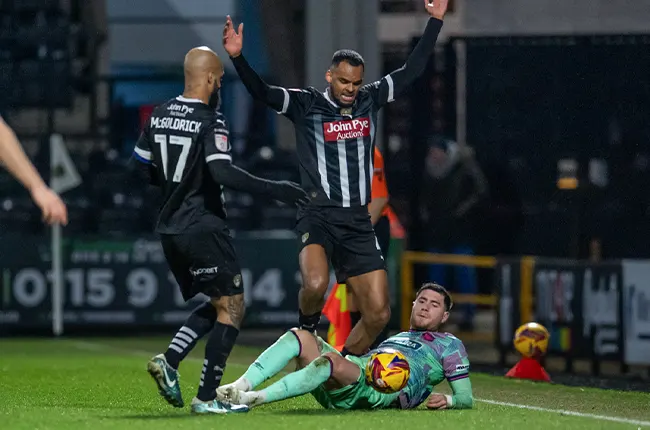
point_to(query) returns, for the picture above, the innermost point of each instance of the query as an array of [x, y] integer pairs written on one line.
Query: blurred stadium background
[[552, 97]]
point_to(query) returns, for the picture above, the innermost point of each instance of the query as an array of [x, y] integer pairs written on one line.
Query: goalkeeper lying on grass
[[338, 382]]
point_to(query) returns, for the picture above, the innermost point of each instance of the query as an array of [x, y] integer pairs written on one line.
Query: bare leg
[[230, 310], [372, 300], [355, 315], [315, 279]]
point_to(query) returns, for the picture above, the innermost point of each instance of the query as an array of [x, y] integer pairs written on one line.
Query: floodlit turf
[[102, 384]]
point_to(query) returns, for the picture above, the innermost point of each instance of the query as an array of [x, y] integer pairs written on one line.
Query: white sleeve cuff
[[450, 401], [391, 89], [143, 154], [285, 104], [218, 157]]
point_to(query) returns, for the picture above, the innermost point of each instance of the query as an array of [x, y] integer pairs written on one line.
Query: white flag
[[63, 173]]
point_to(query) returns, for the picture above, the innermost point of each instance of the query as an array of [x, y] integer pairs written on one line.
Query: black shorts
[[203, 263], [382, 231], [347, 236]]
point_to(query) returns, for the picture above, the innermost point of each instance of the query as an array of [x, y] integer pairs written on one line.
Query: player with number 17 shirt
[[185, 150]]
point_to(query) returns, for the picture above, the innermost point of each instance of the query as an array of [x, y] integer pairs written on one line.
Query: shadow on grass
[[335, 412], [315, 412], [152, 416]]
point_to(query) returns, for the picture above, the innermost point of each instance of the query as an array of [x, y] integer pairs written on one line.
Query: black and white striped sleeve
[[391, 86], [292, 103], [295, 102]]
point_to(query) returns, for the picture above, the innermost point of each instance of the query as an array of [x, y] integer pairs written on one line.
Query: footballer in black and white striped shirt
[[335, 135]]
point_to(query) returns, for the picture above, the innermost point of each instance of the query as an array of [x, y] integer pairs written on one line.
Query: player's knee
[[343, 372], [236, 308], [378, 318], [303, 335], [334, 360], [307, 341], [315, 284], [384, 316], [375, 307], [230, 309]]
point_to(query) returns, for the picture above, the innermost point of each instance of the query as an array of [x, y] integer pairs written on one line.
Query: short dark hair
[[349, 56], [438, 289]]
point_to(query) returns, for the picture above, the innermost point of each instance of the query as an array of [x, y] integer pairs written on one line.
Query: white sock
[[241, 384], [252, 398]]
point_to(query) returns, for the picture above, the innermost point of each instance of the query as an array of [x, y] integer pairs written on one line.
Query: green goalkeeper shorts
[[359, 395]]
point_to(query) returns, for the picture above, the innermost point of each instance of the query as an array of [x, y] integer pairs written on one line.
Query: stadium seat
[[35, 44]]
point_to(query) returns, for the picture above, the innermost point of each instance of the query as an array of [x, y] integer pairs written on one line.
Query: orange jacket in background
[[378, 188]]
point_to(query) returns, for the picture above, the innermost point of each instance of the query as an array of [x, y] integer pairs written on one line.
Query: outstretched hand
[[291, 193], [436, 8], [233, 40]]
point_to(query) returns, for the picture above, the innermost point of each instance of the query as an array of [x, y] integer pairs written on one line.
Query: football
[[387, 370], [531, 340]]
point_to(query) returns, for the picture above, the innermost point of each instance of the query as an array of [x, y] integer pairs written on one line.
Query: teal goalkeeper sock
[[272, 360], [298, 383]]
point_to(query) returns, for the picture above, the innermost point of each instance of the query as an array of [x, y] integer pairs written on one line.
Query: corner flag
[[337, 312], [63, 173], [63, 177]]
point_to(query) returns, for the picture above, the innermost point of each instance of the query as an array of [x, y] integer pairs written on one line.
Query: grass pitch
[[102, 384]]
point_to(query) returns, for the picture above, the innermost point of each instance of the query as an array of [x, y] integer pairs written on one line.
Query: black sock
[[309, 322], [198, 324], [345, 352], [220, 344], [354, 318]]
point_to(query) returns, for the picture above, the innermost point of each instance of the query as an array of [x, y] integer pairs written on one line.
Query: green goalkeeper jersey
[[432, 357]]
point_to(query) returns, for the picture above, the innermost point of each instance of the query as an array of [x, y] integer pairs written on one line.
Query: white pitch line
[[570, 413]]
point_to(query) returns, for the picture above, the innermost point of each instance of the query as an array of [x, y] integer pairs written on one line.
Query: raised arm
[[392, 85], [291, 103]]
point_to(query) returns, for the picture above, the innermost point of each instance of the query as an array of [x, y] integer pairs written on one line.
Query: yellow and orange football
[[387, 371], [531, 340]]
